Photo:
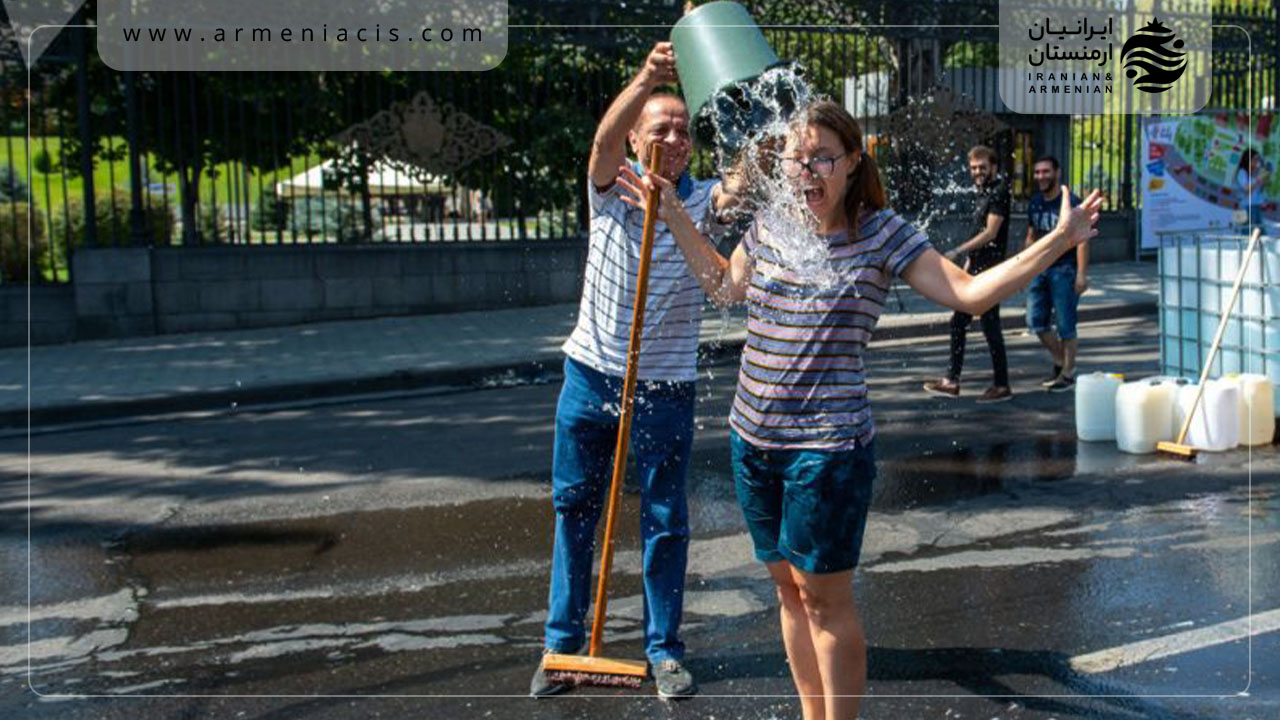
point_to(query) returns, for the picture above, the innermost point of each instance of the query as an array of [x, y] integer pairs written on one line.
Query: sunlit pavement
[[389, 558], [127, 377]]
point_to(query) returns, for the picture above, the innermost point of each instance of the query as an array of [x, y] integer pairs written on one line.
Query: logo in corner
[[1153, 58]]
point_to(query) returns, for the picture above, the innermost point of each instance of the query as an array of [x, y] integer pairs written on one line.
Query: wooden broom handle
[[1222, 328], [627, 403]]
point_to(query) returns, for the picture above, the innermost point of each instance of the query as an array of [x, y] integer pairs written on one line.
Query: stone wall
[[53, 314], [123, 292], [126, 292]]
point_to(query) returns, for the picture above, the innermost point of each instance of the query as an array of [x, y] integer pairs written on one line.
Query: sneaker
[[943, 386], [1062, 384], [673, 680], [995, 394], [540, 686], [1057, 370]]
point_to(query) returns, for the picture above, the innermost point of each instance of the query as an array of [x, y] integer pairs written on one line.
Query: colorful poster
[[1199, 172]]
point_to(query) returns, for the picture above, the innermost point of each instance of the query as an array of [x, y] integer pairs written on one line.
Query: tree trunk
[[190, 219], [366, 204]]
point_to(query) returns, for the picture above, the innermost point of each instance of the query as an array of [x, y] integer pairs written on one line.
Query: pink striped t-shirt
[[802, 383]]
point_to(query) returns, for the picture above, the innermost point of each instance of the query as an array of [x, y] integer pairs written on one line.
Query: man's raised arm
[[609, 148]]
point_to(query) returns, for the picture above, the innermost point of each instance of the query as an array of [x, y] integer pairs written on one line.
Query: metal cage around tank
[[1197, 271]]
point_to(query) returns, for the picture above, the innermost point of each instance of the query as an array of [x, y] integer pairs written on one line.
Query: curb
[[477, 377]]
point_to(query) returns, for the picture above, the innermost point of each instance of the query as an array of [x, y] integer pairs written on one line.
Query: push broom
[[1179, 448], [593, 668]]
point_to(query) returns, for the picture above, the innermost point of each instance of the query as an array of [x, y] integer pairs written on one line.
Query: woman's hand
[[635, 192], [1077, 223], [729, 194]]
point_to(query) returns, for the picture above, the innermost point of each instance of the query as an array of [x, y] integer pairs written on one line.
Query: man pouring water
[[587, 414]]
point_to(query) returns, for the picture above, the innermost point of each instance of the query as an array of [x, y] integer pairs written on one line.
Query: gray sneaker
[[540, 686], [1062, 384], [673, 680], [1057, 370]]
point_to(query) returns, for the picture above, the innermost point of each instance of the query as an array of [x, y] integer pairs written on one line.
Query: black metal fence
[[112, 158]]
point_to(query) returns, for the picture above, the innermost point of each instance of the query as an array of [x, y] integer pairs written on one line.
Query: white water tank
[[1197, 272]]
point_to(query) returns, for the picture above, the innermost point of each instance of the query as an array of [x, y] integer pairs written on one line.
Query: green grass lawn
[[51, 190]]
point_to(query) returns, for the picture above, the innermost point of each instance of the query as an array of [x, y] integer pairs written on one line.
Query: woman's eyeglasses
[[819, 166]]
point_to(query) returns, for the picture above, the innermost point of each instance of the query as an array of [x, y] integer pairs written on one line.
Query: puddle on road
[[194, 590], [379, 544], [939, 471]]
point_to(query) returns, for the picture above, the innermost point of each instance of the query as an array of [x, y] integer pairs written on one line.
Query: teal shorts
[[808, 507]]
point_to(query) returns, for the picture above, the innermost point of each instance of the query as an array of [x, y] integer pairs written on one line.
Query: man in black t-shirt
[[985, 249]]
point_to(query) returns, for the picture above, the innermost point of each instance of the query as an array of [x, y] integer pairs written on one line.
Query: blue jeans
[[1255, 217], [1053, 290], [661, 441]]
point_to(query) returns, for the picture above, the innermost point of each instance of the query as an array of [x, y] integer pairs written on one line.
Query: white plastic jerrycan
[[1257, 408], [1174, 383], [1216, 425], [1144, 411], [1096, 405]]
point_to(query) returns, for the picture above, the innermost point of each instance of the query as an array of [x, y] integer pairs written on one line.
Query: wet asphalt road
[[392, 553]]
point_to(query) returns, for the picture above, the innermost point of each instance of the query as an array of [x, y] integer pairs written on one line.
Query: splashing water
[[924, 164], [924, 160], [752, 121]]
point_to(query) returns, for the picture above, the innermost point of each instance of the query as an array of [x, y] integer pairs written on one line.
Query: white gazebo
[[385, 179], [396, 191]]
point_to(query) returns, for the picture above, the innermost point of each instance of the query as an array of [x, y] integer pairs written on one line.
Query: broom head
[[587, 670], [1176, 450]]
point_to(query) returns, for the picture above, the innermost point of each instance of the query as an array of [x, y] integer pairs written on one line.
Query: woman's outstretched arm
[[943, 282]]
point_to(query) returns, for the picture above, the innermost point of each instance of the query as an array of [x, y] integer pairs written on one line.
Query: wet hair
[[865, 189], [983, 152], [1053, 161]]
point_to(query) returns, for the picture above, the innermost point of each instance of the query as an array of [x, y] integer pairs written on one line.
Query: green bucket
[[720, 54]]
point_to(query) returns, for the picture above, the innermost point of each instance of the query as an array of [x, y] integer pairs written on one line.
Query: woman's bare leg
[[797, 638], [838, 640]]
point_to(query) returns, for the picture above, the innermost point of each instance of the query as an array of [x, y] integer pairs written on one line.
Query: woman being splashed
[[802, 433]]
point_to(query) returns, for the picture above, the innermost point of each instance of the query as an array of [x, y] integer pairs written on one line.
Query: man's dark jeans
[[995, 342]]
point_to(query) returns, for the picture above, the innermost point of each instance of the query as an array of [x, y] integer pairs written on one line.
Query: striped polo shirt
[[673, 309], [802, 383]]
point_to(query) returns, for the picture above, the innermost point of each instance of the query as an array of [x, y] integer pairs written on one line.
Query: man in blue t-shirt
[[1057, 290]]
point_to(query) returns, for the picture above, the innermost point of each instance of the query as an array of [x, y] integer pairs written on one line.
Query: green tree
[[13, 188]]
